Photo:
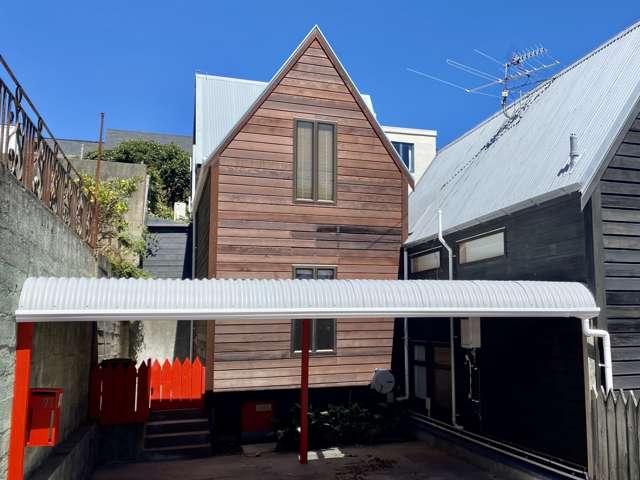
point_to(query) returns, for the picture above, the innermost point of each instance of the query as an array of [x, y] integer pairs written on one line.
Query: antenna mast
[[517, 72]]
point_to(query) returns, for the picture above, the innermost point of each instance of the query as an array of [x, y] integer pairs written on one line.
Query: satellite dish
[[382, 381]]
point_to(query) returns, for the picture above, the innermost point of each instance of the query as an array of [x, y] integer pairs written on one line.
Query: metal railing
[[31, 153]]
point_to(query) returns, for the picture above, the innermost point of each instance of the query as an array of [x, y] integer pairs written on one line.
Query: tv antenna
[[516, 73]]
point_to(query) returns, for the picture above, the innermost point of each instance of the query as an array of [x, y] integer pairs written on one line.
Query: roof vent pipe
[[573, 149]]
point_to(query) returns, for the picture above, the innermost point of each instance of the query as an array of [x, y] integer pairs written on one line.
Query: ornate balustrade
[[31, 153]]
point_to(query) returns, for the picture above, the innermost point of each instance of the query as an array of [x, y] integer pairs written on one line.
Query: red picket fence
[[121, 393], [177, 385]]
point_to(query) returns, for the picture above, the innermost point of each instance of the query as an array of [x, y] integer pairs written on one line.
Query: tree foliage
[[115, 241], [168, 168]]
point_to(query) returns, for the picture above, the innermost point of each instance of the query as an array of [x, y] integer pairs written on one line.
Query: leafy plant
[[115, 241], [339, 425], [168, 167]]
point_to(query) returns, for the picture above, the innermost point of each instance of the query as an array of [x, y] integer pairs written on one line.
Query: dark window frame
[[313, 350], [421, 253], [314, 162], [489, 233]]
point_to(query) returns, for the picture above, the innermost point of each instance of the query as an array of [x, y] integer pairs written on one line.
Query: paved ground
[[411, 460]]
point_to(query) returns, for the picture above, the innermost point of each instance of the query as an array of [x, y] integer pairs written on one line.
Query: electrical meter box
[[257, 417], [470, 332], [43, 425]]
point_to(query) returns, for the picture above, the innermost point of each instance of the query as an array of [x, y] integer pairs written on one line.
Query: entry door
[[431, 379]]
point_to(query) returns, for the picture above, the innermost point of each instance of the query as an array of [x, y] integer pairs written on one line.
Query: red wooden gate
[[120, 393]]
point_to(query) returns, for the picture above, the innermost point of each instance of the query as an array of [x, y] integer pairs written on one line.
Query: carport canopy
[[92, 299]]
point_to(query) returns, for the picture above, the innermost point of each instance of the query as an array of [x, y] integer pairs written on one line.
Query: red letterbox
[[43, 425]]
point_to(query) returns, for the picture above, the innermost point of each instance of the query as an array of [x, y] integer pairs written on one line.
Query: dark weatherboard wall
[[169, 249], [530, 382], [616, 215]]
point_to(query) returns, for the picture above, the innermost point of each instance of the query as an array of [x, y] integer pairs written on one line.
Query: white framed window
[[482, 247], [425, 261]]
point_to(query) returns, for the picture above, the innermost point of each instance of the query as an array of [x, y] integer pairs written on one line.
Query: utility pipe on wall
[[454, 413], [587, 331], [405, 396]]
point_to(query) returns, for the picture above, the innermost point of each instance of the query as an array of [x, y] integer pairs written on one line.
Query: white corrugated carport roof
[[92, 299]]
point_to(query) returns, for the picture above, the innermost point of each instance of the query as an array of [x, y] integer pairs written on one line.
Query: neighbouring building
[[549, 192], [77, 149], [168, 256], [416, 147], [300, 182]]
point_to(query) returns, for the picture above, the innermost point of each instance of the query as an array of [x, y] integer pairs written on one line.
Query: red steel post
[[304, 390], [18, 438]]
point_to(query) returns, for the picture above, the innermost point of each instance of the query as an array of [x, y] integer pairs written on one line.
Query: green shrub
[[340, 425]]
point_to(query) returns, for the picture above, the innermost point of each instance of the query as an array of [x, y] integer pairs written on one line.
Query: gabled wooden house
[[303, 185], [550, 191]]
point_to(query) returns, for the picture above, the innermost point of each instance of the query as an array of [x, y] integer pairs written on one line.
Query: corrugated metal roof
[[504, 165], [220, 103], [91, 299]]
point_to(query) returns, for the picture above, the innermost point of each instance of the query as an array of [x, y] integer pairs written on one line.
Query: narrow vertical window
[[326, 161], [304, 160], [323, 330], [315, 161]]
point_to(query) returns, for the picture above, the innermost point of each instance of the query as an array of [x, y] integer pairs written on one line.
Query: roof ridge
[[565, 70]]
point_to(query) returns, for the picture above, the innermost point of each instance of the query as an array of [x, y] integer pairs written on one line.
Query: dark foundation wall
[[531, 384]]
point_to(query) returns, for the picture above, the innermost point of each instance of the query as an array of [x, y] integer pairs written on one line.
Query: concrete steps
[[177, 434]]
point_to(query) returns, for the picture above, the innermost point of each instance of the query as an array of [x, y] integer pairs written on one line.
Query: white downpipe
[[405, 335], [606, 347], [454, 413]]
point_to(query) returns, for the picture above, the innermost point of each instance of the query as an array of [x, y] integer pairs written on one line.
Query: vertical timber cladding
[[619, 197], [263, 233]]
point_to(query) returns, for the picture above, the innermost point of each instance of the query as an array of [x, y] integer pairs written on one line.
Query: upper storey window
[[405, 151], [315, 161]]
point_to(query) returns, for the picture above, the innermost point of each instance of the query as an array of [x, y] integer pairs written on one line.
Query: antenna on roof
[[517, 72]]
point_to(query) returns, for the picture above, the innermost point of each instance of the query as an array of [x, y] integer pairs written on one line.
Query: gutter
[[531, 202]]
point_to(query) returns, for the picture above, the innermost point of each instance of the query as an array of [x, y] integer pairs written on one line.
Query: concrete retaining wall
[[35, 242]]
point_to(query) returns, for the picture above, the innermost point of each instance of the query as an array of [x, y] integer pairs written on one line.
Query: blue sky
[[135, 60]]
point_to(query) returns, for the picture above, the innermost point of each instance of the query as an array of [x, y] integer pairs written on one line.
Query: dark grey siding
[[531, 379], [169, 250], [617, 233], [545, 242]]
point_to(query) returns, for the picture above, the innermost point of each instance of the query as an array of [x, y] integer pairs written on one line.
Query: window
[[423, 262], [323, 330], [315, 161], [483, 247], [405, 151]]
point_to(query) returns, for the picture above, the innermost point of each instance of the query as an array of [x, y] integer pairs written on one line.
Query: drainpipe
[[454, 414], [405, 260], [587, 331]]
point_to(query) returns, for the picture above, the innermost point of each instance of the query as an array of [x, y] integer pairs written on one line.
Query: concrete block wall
[[35, 242]]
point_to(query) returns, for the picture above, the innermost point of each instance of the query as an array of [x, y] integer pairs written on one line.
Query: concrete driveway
[[410, 460]]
